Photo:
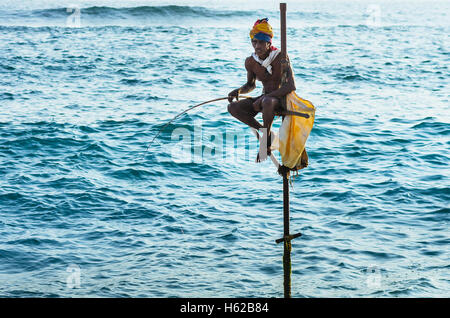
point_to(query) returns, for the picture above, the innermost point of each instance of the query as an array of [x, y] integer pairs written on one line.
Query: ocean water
[[86, 211]]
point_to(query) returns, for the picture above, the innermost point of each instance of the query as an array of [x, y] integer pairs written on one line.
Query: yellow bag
[[294, 131]]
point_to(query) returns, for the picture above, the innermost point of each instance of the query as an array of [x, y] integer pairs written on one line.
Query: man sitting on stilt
[[264, 65]]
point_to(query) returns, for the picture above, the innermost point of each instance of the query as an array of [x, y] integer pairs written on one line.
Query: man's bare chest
[[262, 74]]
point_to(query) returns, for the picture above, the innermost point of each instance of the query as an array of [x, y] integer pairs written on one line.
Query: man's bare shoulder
[[249, 62]]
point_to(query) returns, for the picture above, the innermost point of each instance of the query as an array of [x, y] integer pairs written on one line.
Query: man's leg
[[243, 111], [269, 106]]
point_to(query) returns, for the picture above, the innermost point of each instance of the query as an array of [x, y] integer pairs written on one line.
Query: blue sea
[[89, 207]]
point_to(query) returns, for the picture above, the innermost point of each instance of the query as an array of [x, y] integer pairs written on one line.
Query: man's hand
[[233, 94]]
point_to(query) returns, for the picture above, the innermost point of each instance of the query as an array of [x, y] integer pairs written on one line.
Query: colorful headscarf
[[262, 30]]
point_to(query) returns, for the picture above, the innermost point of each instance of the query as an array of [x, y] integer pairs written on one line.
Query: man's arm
[[247, 87]]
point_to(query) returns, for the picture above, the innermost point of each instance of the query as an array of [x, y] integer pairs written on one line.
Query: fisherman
[[263, 65]]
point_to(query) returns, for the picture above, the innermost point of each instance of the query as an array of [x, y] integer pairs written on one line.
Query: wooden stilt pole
[[283, 49], [287, 243], [283, 29], [284, 172], [287, 238]]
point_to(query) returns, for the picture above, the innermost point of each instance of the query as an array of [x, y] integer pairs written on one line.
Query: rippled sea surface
[[85, 211]]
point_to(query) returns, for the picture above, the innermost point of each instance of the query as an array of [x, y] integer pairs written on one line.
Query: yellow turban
[[262, 30]]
